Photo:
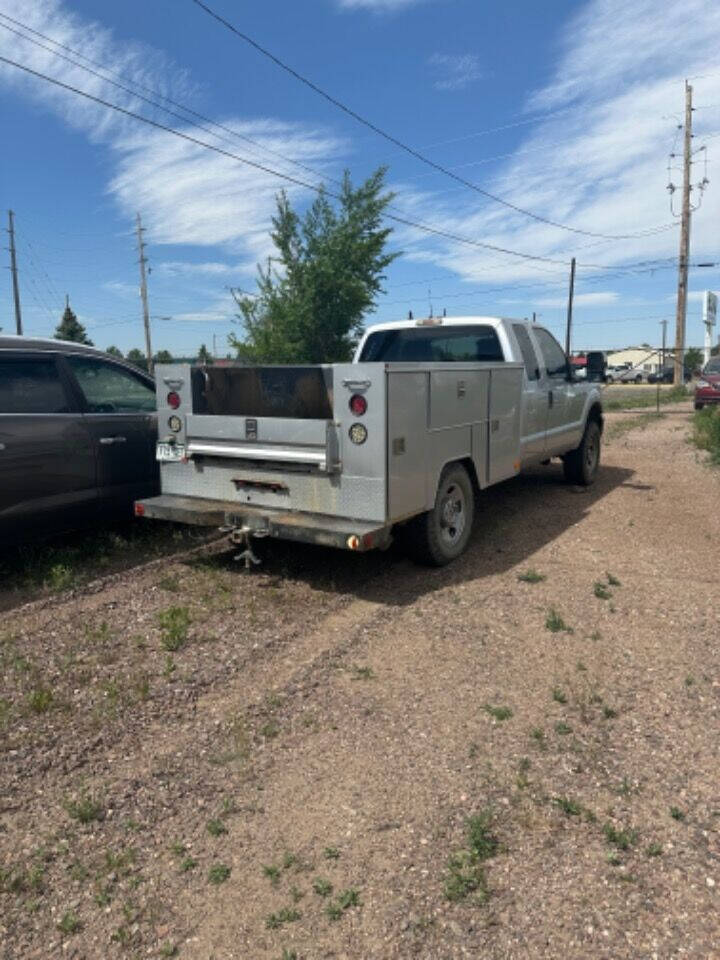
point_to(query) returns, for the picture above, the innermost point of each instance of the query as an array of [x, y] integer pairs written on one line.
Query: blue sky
[[566, 109]]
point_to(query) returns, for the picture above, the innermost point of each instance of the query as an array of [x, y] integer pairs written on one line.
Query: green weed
[[531, 576], [85, 809], [622, 839], [555, 623], [601, 591], [498, 713], [286, 915], [69, 923], [322, 887], [218, 873], [216, 828], [174, 626]]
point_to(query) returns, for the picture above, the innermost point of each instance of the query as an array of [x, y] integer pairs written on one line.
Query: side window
[[527, 350], [31, 386], [109, 388], [553, 353]]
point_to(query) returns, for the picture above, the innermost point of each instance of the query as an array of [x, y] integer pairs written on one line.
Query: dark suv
[[77, 437]]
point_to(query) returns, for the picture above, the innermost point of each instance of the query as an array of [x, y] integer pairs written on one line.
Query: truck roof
[[439, 321]]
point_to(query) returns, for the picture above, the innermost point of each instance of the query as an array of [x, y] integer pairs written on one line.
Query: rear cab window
[[31, 385], [437, 344], [527, 351]]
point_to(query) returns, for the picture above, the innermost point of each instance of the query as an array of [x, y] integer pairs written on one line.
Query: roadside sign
[[709, 308]]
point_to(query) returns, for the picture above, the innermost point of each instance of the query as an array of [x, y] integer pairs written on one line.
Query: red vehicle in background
[[707, 389]]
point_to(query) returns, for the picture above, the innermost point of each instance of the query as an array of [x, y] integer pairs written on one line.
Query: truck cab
[[555, 404]]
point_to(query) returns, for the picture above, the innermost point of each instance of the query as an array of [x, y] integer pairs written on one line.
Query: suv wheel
[[581, 465]]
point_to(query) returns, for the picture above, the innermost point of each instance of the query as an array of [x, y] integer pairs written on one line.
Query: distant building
[[647, 359]]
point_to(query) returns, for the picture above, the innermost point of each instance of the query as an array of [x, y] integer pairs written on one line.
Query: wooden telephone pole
[[13, 270], [679, 372], [143, 293]]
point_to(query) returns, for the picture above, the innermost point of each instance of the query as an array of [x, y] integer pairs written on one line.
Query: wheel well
[[469, 465], [595, 413]]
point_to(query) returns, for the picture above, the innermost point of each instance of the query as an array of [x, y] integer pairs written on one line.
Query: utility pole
[[143, 293], [13, 270], [571, 295], [661, 369], [678, 377]]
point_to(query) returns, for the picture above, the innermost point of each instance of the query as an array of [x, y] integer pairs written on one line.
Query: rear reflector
[[139, 510], [173, 400]]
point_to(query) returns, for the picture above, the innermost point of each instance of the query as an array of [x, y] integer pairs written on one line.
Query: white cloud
[[600, 166], [384, 6], [600, 298], [186, 194], [176, 268], [455, 71]]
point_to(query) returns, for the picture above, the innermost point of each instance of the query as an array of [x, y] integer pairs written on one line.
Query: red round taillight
[[358, 404], [173, 399]]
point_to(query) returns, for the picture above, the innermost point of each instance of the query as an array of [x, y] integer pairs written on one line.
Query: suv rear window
[[441, 344], [29, 385]]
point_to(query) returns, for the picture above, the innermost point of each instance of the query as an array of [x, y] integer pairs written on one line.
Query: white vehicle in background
[[625, 373]]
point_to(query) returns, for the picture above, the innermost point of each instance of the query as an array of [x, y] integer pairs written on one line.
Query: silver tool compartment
[[279, 437]]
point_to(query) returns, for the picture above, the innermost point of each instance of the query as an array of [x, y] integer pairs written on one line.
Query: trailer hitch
[[242, 537]]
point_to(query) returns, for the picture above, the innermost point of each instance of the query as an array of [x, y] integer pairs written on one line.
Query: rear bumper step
[[345, 533]]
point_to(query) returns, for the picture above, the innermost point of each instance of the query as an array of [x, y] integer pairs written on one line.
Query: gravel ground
[[352, 757]]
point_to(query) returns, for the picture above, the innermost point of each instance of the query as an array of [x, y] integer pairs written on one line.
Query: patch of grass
[[562, 728], [187, 864], [555, 623], [69, 923], [466, 873], [613, 581], [689, 681], [571, 808], [676, 813], [287, 915], [174, 625], [654, 850], [40, 700], [60, 577], [170, 583], [559, 695], [620, 427], [322, 887], [344, 900], [363, 673], [609, 712], [473, 750], [622, 839], [85, 809], [169, 950], [272, 873], [538, 735], [601, 591], [531, 576], [216, 828], [331, 853], [289, 954], [498, 713], [289, 860], [270, 730], [218, 873], [706, 432]]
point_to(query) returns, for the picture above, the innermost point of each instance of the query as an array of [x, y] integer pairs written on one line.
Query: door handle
[[106, 441], [2, 446]]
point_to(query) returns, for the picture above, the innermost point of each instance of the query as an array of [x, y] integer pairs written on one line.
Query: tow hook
[[242, 537]]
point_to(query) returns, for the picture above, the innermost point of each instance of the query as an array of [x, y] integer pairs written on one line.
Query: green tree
[[70, 327], [163, 356], [204, 356], [115, 352], [693, 359], [314, 294], [137, 358]]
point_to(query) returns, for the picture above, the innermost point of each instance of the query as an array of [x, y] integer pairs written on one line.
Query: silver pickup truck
[[396, 443]]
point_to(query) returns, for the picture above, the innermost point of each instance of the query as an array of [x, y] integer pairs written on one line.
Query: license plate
[[170, 452]]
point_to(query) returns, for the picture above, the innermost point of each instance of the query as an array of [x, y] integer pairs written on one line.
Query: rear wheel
[[699, 406], [638, 379], [581, 465], [440, 535]]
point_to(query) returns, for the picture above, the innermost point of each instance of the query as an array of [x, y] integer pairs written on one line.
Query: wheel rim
[[592, 451], [453, 514]]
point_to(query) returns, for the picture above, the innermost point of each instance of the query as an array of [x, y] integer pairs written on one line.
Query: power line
[[105, 77], [399, 143], [426, 228]]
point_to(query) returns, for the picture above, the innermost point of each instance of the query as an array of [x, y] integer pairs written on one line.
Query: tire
[[699, 406], [609, 379], [581, 465], [439, 536]]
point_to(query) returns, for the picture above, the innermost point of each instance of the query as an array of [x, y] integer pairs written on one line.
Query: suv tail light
[[173, 399]]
